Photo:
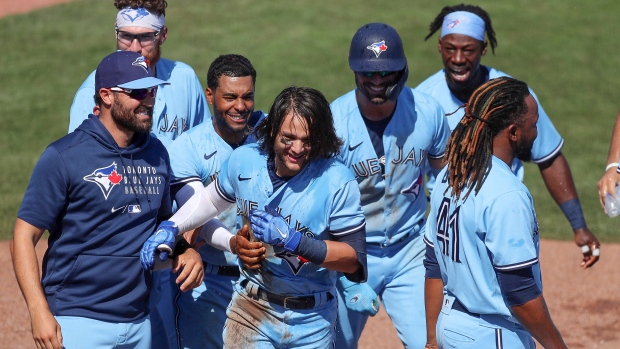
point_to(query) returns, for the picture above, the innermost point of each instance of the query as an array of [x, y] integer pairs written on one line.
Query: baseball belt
[[288, 302], [460, 307], [223, 270]]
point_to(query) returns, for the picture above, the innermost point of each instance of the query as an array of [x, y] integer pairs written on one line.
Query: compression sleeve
[[200, 208], [518, 285], [214, 232]]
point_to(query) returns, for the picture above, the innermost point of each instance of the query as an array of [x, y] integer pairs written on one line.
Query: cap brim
[[143, 83]]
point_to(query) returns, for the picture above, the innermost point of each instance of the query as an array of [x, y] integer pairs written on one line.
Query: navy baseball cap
[[125, 69]]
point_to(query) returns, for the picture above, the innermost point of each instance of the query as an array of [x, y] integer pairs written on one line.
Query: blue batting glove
[[360, 297], [162, 241], [271, 228]]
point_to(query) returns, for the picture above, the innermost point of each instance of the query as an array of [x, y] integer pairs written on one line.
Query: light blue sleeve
[[83, 103], [549, 141], [442, 133], [346, 211], [510, 226], [185, 161]]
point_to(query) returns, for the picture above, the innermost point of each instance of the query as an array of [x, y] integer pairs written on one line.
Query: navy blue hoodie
[[100, 203]]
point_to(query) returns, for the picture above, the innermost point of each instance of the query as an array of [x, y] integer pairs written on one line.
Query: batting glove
[[271, 228], [360, 297], [162, 241]]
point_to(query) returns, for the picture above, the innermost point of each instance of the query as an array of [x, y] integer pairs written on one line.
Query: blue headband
[[139, 17], [463, 22]]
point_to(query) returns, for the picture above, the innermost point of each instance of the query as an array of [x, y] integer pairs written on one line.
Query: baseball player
[[180, 105], [608, 182], [304, 204], [390, 131], [483, 282], [196, 159], [462, 45], [100, 192]]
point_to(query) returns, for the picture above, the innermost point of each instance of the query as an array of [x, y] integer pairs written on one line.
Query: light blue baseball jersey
[[547, 144], [394, 204], [179, 105], [198, 155], [495, 229], [321, 200]]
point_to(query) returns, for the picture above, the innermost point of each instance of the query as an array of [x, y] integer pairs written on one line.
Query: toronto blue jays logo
[[414, 188], [131, 14], [378, 47], [453, 23], [141, 62], [294, 261], [106, 178]]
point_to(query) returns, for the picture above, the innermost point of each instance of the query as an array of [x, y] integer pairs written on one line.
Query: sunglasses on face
[[144, 39], [137, 94], [382, 74]]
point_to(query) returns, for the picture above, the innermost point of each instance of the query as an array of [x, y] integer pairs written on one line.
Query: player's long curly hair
[[155, 6], [438, 21], [231, 65], [492, 107], [311, 106]]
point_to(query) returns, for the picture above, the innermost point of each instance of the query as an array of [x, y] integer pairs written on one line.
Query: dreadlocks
[[438, 21], [492, 107]]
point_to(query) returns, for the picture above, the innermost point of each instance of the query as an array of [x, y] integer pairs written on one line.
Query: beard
[[524, 149], [374, 98], [127, 119]]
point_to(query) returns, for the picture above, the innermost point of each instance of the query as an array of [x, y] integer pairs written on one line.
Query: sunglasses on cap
[[137, 94], [382, 74]]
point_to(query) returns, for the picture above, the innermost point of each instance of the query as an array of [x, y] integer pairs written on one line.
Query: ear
[[163, 35], [106, 96], [210, 94], [484, 47], [513, 132]]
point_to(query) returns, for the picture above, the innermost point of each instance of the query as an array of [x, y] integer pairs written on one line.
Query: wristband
[[572, 211], [312, 249], [180, 247], [612, 165]]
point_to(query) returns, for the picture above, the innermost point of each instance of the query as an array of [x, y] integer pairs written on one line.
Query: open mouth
[[460, 75]]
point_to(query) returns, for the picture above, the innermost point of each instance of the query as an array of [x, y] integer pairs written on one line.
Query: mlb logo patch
[[134, 209]]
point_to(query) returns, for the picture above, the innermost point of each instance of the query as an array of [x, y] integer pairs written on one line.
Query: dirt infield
[[585, 304]]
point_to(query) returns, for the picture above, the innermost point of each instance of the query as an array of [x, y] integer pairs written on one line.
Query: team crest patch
[[378, 47], [106, 178], [294, 261], [141, 62], [414, 188], [132, 15]]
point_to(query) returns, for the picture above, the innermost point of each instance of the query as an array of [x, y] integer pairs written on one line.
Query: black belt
[[460, 307], [288, 302], [224, 270]]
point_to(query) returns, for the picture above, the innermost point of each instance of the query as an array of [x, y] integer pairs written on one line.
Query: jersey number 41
[[448, 229]]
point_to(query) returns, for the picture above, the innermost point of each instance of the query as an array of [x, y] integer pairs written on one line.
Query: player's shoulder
[[432, 83], [168, 69], [344, 105], [501, 183], [333, 169]]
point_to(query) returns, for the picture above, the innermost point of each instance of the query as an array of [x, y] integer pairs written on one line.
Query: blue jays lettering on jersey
[[99, 203], [179, 105], [547, 144], [495, 229], [198, 155], [392, 202], [322, 199]]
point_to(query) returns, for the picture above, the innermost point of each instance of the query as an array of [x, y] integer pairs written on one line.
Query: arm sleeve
[[549, 142], [430, 263], [518, 286], [216, 234], [200, 208]]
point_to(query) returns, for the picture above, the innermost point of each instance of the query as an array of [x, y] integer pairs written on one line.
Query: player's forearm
[[558, 179], [26, 265], [535, 316], [200, 208], [340, 257], [433, 297]]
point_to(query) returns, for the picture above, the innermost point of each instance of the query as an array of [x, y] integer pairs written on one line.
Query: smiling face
[[291, 146], [132, 114], [461, 55], [233, 103], [375, 88]]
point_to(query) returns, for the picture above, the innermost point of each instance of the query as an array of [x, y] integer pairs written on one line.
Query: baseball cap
[[125, 69]]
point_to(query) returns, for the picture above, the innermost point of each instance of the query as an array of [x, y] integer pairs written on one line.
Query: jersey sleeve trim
[[349, 230], [183, 181], [221, 192], [428, 242], [517, 265], [551, 155]]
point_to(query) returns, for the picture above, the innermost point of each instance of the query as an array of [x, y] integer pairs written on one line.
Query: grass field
[[564, 49]]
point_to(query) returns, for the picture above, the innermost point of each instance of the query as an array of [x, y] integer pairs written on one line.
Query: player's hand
[[162, 240], [591, 247], [46, 330], [360, 297], [251, 254], [271, 228], [190, 268], [607, 184]]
